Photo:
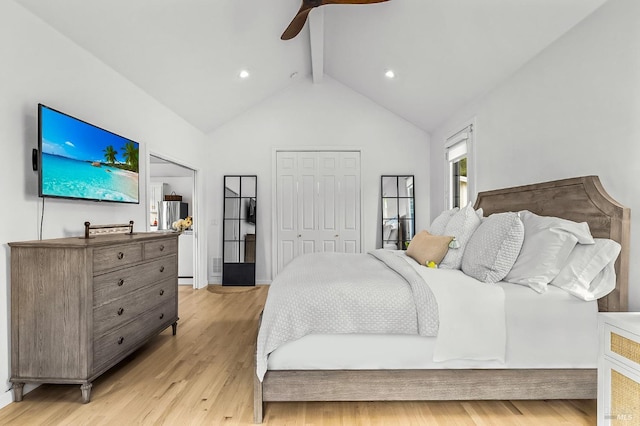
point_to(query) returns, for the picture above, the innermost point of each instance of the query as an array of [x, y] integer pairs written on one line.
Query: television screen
[[80, 160]]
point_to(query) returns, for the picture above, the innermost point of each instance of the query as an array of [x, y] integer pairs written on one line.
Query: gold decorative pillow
[[425, 247]]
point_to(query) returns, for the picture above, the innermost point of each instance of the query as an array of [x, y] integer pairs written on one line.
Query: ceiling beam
[[316, 38]]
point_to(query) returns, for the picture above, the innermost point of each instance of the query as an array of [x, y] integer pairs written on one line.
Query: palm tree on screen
[[110, 154], [131, 155]]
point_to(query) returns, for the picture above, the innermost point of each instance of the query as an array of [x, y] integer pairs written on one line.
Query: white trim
[[200, 276], [467, 131]]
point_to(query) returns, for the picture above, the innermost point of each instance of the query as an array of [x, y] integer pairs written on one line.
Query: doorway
[[178, 181]]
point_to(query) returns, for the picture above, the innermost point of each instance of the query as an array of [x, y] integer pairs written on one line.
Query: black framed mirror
[[239, 230], [398, 211]]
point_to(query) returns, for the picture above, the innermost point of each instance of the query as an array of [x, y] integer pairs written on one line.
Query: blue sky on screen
[[72, 138]]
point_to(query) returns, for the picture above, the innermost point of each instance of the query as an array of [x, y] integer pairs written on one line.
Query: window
[[457, 158]]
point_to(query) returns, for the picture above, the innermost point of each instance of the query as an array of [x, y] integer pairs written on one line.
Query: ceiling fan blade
[[297, 23], [352, 1]]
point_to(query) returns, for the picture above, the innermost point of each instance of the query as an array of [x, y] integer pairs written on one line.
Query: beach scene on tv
[[83, 161]]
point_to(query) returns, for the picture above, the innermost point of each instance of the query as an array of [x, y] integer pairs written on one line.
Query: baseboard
[[7, 397]]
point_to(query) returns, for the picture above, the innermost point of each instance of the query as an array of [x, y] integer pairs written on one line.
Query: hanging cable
[[41, 218]]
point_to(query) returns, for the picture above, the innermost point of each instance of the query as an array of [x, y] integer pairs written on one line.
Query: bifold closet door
[[318, 203]]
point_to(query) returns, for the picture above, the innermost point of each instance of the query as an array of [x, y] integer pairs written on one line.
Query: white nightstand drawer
[[622, 345], [619, 399]]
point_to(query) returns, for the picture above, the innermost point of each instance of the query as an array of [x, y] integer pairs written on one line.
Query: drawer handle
[[161, 316], [120, 311], [120, 340], [162, 248], [120, 282], [162, 268], [161, 292], [120, 255]]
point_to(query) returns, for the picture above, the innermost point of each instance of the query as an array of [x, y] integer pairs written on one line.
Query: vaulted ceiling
[[188, 54]]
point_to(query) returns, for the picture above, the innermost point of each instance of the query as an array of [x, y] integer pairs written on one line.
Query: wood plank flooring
[[204, 376]]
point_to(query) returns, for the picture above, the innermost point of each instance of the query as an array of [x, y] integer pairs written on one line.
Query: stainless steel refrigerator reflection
[[169, 212]]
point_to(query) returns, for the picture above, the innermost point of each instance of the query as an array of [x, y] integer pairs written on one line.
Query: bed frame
[[581, 199]]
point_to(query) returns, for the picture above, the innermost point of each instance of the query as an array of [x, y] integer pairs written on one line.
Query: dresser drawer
[[113, 285], [155, 249], [114, 257], [622, 346], [119, 311], [117, 343]]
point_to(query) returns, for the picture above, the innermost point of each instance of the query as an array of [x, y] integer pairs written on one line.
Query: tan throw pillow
[[425, 247]]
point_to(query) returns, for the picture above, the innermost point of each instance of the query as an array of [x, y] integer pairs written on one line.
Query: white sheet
[[550, 330], [472, 315]]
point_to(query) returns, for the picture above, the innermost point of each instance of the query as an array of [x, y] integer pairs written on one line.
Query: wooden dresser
[[619, 369], [79, 306]]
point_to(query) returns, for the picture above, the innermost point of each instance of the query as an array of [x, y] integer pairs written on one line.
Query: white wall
[[40, 65], [325, 115], [574, 110]]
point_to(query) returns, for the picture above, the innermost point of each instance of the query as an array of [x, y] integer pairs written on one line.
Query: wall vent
[[216, 265]]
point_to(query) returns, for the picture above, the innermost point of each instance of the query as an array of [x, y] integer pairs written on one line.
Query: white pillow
[[461, 227], [494, 247], [548, 242], [584, 274], [602, 284], [440, 222]]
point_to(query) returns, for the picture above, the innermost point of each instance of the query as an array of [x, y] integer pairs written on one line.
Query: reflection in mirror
[[398, 215], [232, 186], [232, 208], [389, 186], [390, 208], [248, 186], [231, 230], [231, 251]]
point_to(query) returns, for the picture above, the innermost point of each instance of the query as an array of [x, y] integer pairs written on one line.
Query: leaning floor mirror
[[398, 215], [239, 231]]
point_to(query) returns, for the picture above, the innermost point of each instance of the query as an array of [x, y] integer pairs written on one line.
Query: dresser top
[[97, 241]]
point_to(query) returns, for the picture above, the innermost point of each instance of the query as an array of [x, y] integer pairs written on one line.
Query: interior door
[[317, 203]]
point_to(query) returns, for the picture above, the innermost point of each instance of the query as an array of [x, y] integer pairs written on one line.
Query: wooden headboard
[[581, 199]]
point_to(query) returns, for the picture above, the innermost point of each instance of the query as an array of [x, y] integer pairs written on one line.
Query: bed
[[581, 199]]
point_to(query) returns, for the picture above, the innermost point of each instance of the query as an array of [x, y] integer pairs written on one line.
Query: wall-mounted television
[[81, 161]]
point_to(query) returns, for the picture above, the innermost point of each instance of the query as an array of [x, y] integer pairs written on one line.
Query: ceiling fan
[[307, 5]]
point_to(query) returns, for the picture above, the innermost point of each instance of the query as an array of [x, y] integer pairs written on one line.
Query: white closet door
[[327, 228], [307, 202], [318, 203], [349, 207], [287, 207]]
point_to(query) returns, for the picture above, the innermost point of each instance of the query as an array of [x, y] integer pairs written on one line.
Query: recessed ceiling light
[[244, 74], [390, 74]]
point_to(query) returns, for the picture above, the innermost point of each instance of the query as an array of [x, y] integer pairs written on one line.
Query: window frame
[[464, 135]]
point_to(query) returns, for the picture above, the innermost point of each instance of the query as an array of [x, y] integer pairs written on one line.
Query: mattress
[[550, 330]]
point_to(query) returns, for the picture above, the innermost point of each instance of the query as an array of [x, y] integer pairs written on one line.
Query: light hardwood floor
[[204, 376]]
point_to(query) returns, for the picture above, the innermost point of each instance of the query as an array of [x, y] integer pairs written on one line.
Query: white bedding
[[550, 330], [315, 292]]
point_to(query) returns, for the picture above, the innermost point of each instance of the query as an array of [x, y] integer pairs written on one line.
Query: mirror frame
[[239, 230], [398, 217]]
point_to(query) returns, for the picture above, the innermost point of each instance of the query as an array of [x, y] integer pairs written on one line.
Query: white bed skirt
[[550, 330]]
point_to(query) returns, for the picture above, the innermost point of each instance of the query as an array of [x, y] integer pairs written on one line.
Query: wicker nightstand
[[619, 369]]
